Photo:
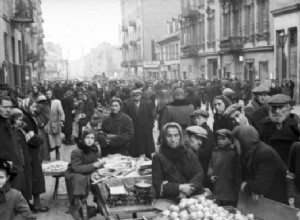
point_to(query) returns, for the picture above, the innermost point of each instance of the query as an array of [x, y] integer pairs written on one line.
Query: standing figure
[[143, 121], [69, 110]]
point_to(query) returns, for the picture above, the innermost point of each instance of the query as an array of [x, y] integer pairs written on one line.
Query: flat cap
[[225, 133], [137, 91], [200, 112], [260, 89], [232, 108], [279, 100], [197, 130]]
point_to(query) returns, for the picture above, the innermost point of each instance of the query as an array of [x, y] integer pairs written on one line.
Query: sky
[[80, 25]]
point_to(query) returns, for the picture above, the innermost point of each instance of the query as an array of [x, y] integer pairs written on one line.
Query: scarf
[[3, 191], [87, 149]]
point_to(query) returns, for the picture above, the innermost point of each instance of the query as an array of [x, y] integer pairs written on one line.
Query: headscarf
[[25, 105], [249, 140]]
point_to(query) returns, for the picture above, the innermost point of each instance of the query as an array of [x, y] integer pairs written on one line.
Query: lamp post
[[282, 37]]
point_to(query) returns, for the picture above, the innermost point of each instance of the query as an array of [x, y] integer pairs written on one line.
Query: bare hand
[[31, 134], [187, 188], [99, 163], [213, 179]]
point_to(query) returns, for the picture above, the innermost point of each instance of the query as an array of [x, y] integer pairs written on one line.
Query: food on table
[[56, 166]]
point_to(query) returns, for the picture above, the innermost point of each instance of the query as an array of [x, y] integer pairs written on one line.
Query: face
[[5, 108], [3, 178], [279, 113], [238, 118], [20, 102], [49, 95], [115, 107], [199, 120], [173, 137], [84, 97], [262, 98], [223, 141], [32, 109], [219, 106], [136, 97], [195, 142], [18, 121], [35, 90], [89, 140]]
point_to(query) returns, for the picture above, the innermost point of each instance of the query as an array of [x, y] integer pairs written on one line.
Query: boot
[[74, 208]]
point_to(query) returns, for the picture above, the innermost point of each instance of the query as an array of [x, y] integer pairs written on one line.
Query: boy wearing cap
[[223, 169], [12, 203]]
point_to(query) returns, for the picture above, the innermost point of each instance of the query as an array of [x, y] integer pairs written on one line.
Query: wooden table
[[57, 176], [107, 212]]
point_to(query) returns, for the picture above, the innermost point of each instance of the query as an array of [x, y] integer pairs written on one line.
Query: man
[[178, 111], [236, 116], [69, 110], [260, 97], [209, 96], [280, 129], [143, 121], [9, 148]]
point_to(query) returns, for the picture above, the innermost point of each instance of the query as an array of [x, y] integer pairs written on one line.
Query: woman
[[35, 141], [176, 171], [84, 160], [221, 103], [118, 128], [56, 120], [87, 112], [263, 170]]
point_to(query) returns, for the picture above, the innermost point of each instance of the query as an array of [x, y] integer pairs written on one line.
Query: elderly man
[[260, 96], [280, 128]]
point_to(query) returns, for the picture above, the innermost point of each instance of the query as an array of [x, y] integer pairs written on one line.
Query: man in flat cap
[[260, 96], [142, 117], [280, 129]]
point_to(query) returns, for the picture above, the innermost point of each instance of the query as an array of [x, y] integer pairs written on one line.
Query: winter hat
[[197, 130], [5, 165], [16, 111], [233, 108], [178, 94]]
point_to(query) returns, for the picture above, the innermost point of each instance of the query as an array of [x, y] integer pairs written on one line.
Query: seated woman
[[263, 171], [118, 128], [176, 170], [84, 160]]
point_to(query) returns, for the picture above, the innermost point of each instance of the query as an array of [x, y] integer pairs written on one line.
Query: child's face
[[3, 178], [195, 142], [199, 120], [223, 141], [19, 121], [89, 140]]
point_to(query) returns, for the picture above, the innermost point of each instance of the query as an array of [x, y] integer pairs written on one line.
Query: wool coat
[[165, 169], [143, 123], [68, 107], [280, 140], [79, 172], [56, 116], [121, 126], [15, 207]]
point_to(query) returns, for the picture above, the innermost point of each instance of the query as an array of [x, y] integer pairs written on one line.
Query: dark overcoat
[[79, 172], [143, 123], [120, 125], [68, 107]]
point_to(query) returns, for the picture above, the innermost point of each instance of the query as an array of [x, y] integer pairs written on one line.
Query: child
[[84, 160], [223, 169], [12, 203]]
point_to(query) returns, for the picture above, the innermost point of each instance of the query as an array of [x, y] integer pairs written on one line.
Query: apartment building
[[143, 24], [169, 52], [21, 40]]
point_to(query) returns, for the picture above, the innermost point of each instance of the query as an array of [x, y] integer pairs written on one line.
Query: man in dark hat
[[260, 97], [281, 128]]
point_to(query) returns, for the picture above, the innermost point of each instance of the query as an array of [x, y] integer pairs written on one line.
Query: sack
[[54, 127]]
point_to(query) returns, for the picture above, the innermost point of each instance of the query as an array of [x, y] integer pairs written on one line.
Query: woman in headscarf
[[263, 171], [221, 103], [176, 170], [118, 128], [28, 108]]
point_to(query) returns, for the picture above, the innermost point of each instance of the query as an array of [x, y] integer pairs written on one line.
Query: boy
[[223, 169], [12, 203]]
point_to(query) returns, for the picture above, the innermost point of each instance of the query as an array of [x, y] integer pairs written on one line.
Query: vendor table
[[57, 176], [101, 196]]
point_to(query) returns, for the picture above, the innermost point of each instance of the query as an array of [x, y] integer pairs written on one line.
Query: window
[[6, 46], [20, 52], [13, 49], [293, 36]]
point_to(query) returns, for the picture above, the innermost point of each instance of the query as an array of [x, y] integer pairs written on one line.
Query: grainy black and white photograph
[[150, 109]]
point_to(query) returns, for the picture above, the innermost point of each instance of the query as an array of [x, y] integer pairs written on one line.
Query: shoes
[[39, 208], [75, 213], [91, 212]]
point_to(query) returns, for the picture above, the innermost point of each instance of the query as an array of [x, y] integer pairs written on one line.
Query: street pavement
[[58, 207]]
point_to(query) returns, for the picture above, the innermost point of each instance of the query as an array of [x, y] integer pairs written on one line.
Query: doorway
[[212, 68], [263, 71]]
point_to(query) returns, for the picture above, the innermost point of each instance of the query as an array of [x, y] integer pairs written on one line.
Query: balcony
[[190, 11], [190, 51], [23, 12], [124, 63], [133, 63], [124, 28], [30, 56], [231, 45], [125, 46], [132, 43]]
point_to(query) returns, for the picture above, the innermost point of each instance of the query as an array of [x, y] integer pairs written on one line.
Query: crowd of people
[[252, 147]]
